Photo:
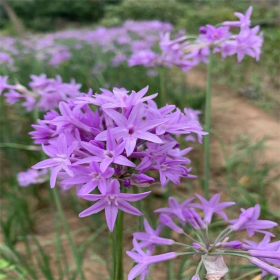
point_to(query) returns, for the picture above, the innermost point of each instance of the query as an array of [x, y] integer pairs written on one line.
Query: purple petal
[[136, 270], [122, 160], [54, 173], [91, 197], [111, 143], [97, 207], [118, 118], [45, 164], [93, 149], [88, 187], [126, 207], [133, 197], [105, 163], [130, 144], [147, 136], [111, 212]]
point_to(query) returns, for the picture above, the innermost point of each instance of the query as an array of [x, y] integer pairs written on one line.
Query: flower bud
[[167, 221]]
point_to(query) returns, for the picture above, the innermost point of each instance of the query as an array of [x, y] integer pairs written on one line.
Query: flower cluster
[[57, 48], [186, 52], [185, 220], [44, 93], [124, 140]]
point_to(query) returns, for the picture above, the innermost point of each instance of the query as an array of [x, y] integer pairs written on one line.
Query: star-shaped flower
[[175, 209], [60, 153], [132, 128], [212, 206], [90, 177], [112, 153], [150, 238], [112, 201], [144, 260], [249, 220]]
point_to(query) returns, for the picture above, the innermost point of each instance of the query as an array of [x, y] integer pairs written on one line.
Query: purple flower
[[4, 85], [60, 154], [249, 220], [264, 266], [212, 206], [210, 33], [132, 128], [31, 177], [90, 177], [144, 260], [175, 209], [195, 277], [40, 82], [112, 200], [150, 238], [244, 20], [152, 154], [172, 170], [264, 245], [112, 154], [193, 218], [248, 42], [146, 58]]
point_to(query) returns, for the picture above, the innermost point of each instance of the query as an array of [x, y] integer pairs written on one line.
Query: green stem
[[187, 235], [199, 265], [225, 231], [119, 245], [113, 255], [207, 128], [162, 93], [20, 146], [230, 254], [65, 226], [248, 274]]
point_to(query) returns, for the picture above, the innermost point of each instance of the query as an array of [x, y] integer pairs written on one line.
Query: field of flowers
[[112, 161]]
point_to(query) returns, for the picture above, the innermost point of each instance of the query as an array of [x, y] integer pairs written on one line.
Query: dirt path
[[233, 116]]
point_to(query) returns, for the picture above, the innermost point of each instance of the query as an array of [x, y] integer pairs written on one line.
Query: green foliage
[[144, 10], [42, 15]]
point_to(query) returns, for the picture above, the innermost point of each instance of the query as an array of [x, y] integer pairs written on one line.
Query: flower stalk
[[207, 128]]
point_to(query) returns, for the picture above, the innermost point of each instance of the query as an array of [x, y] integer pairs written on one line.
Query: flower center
[[164, 167], [131, 130], [112, 199], [95, 176], [60, 158], [109, 154]]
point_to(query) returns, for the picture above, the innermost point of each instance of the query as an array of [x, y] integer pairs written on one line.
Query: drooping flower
[[144, 260], [150, 238]]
